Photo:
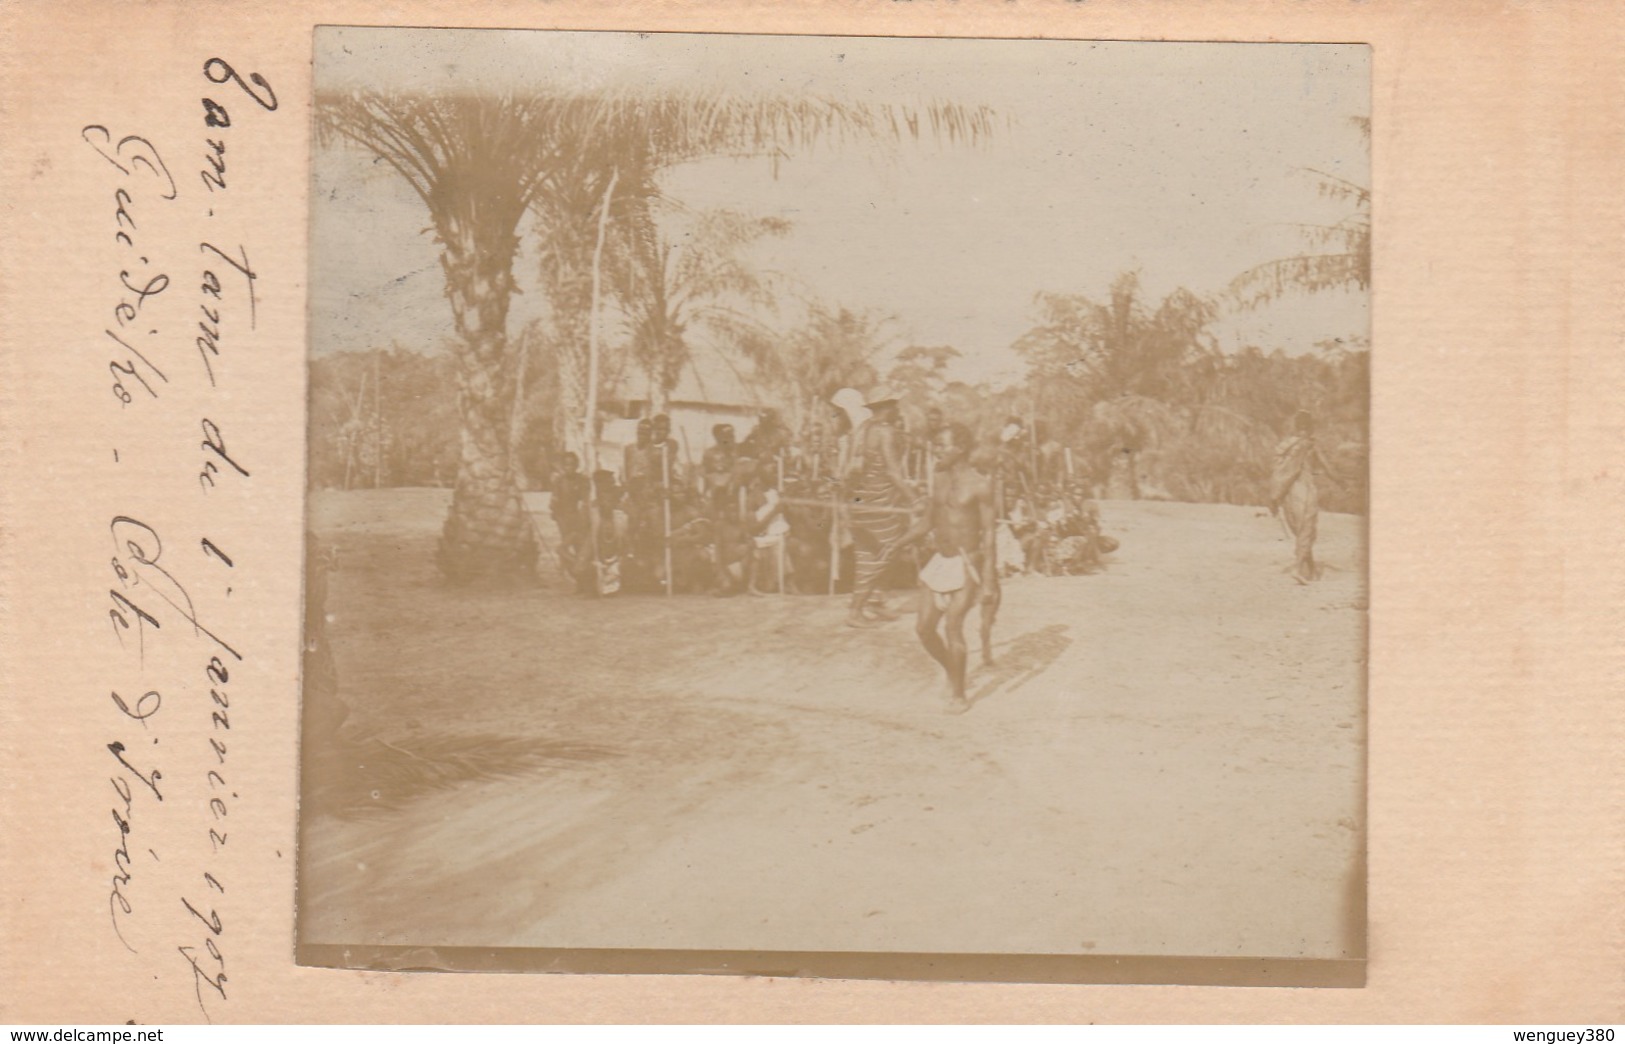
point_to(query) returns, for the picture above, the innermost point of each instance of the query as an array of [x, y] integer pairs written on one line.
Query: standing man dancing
[[964, 571]]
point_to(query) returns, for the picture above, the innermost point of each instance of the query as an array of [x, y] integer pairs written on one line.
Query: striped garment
[[879, 509]]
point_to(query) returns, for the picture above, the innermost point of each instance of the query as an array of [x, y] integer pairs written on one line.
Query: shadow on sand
[[1020, 660], [367, 775]]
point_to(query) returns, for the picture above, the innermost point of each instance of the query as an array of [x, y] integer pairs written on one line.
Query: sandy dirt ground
[[1166, 760]]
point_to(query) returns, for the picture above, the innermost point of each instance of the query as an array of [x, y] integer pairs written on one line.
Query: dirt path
[[1166, 760]]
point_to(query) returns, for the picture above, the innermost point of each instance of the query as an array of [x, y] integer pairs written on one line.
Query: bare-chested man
[[640, 463], [963, 571], [665, 447]]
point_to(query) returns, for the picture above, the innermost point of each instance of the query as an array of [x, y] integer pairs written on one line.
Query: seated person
[[769, 531]]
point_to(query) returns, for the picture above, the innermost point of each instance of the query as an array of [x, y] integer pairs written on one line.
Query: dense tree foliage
[[1135, 392], [576, 162]]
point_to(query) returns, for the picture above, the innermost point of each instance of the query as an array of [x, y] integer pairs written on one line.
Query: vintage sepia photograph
[[848, 506]]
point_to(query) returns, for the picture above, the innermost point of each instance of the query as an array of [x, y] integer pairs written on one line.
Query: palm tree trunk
[[567, 277], [485, 538], [569, 335]]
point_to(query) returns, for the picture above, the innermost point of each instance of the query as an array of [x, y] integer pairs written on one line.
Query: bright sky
[[1184, 161]]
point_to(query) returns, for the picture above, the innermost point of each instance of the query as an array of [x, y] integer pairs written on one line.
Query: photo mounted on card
[[837, 506]]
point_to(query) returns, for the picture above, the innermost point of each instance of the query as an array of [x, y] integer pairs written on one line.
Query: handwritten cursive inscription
[[212, 308], [215, 443], [209, 967], [174, 789], [136, 564], [119, 896], [144, 177]]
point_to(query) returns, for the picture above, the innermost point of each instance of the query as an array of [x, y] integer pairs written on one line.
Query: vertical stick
[[747, 565], [1068, 452], [1032, 438], [665, 497], [592, 329], [588, 423], [834, 539], [785, 537], [377, 419], [516, 419]]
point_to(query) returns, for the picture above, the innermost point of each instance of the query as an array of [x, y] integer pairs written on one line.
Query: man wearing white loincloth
[[963, 571]]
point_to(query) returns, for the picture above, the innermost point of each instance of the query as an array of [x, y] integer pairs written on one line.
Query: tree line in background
[[581, 171], [1145, 401], [1135, 388]]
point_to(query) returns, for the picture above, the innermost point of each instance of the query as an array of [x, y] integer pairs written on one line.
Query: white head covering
[[850, 402]]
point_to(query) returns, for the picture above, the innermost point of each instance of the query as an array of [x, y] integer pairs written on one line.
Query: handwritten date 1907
[[209, 966]]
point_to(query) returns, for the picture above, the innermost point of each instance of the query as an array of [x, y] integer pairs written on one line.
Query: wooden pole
[[783, 538], [377, 419], [592, 329], [665, 497], [834, 539], [589, 425], [1032, 438], [810, 502], [516, 419]]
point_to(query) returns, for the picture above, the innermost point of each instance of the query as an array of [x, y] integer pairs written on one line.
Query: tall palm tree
[[1127, 378], [697, 286], [477, 162], [567, 233], [480, 162], [1118, 347], [833, 348], [631, 140]]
